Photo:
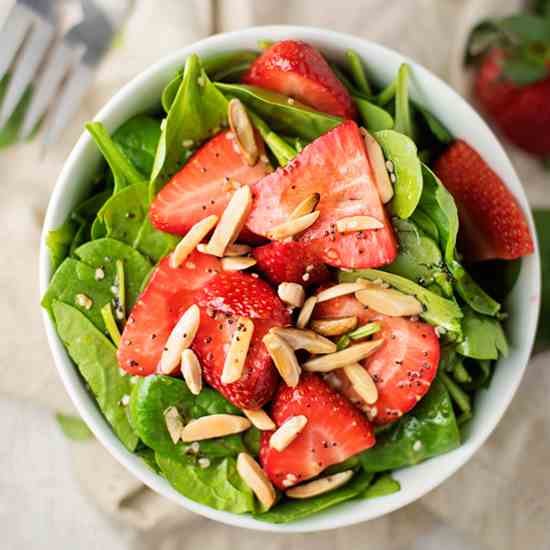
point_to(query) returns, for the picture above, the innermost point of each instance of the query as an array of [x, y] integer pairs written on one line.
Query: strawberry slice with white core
[[336, 166], [168, 294]]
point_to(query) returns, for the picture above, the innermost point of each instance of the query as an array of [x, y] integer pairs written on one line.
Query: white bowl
[[143, 93]]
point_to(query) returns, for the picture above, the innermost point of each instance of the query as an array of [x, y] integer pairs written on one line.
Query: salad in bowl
[[287, 283]]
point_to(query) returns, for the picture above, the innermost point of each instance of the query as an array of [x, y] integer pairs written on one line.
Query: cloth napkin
[[56, 494]]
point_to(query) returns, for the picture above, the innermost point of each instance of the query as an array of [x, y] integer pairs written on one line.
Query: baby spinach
[[484, 337], [374, 117], [401, 150], [138, 139], [292, 510], [382, 486], [123, 170], [197, 111], [103, 254], [435, 126], [59, 242], [438, 311], [148, 456], [403, 120], [73, 427], [428, 430], [218, 486], [95, 357], [357, 71], [288, 117]]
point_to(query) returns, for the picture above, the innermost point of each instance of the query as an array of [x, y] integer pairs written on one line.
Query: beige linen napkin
[[498, 500]]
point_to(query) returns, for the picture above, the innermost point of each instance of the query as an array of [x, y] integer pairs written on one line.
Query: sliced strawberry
[[335, 430], [492, 224], [204, 185], [167, 295], [236, 293], [402, 369], [298, 70], [336, 166], [292, 262], [260, 378]]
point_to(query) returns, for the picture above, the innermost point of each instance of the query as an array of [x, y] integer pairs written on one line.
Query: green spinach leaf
[[382, 486], [374, 118]]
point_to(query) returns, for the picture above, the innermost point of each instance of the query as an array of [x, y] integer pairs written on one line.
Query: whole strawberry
[[512, 83]]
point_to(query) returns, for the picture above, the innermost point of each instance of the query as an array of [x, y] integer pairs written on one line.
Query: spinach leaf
[[382, 486], [542, 222], [154, 243], [374, 117], [435, 126], [291, 510], [96, 360], [103, 253], [138, 139], [123, 170], [439, 311], [218, 486], [59, 242], [402, 151], [428, 430], [148, 456], [152, 395], [198, 110], [252, 440], [292, 118], [483, 337], [403, 120], [73, 427], [358, 72]]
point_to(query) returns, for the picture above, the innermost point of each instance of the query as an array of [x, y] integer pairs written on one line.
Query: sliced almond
[[334, 327], [358, 223], [232, 250], [236, 263], [253, 475], [260, 419], [320, 486], [243, 130], [376, 160], [191, 371], [191, 240], [305, 339], [306, 206], [362, 383], [287, 432], [389, 301], [284, 359], [231, 222], [214, 425], [306, 312], [238, 350], [339, 290], [292, 294], [180, 338], [339, 359], [174, 423], [293, 227]]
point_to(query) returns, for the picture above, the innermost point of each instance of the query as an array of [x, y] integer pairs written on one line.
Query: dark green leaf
[[436, 127], [483, 337], [59, 242], [523, 71]]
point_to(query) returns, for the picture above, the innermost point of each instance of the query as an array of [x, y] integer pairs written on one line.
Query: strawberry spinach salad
[[282, 286]]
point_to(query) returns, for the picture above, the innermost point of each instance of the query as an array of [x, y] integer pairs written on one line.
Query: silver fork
[[69, 65]]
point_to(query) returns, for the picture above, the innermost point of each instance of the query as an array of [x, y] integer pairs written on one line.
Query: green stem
[[358, 73], [121, 284], [343, 342], [386, 95], [110, 323], [403, 121], [458, 395], [364, 331]]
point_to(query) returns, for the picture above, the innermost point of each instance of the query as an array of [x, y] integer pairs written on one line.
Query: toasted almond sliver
[[306, 312], [320, 486], [260, 419], [358, 223], [339, 290], [293, 227], [243, 130], [292, 294], [191, 371], [334, 327], [174, 423], [237, 263], [180, 338], [376, 159], [238, 350], [231, 222], [305, 339], [253, 475], [287, 432], [306, 206], [214, 425], [362, 383], [237, 249], [191, 240], [339, 359], [389, 301], [284, 359]]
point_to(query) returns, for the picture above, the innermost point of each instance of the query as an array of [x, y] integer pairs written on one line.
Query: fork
[[60, 65]]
